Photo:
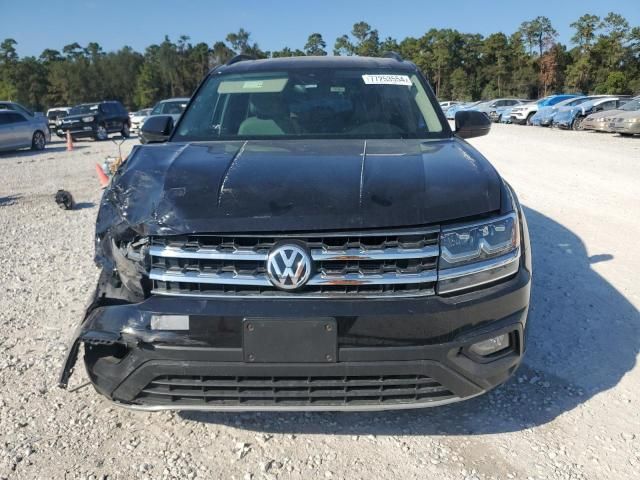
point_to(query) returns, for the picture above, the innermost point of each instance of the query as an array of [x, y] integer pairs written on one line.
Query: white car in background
[[138, 118], [54, 115]]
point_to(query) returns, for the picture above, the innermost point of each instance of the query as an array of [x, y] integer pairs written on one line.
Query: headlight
[[88, 119], [478, 253]]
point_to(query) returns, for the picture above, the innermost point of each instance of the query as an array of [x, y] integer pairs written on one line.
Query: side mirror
[[471, 123], [156, 129]]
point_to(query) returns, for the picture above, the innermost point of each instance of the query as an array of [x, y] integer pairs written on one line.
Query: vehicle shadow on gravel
[[583, 337], [32, 153]]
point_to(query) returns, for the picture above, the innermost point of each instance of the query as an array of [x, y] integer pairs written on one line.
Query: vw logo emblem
[[288, 266]]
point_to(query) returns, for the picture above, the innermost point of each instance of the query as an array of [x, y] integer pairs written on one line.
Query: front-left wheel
[[38, 142], [101, 133]]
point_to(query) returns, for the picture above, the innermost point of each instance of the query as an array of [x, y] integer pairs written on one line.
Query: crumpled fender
[[126, 324]]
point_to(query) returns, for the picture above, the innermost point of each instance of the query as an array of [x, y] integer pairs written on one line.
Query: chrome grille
[[377, 263]]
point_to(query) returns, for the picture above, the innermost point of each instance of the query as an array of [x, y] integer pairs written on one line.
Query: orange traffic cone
[[69, 142], [104, 180]]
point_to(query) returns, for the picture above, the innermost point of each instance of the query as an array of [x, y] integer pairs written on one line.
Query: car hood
[[297, 185], [627, 114], [603, 114]]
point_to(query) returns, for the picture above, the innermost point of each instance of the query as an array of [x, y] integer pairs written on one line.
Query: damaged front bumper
[[389, 354]]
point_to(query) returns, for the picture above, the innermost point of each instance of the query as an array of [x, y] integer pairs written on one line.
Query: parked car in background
[[446, 105], [19, 130], [496, 113], [451, 112], [9, 105], [600, 121], [627, 123], [544, 116], [522, 114], [573, 117], [96, 120], [54, 115], [172, 106], [138, 118], [492, 105], [505, 114]]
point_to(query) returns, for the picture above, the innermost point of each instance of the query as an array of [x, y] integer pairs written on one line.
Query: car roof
[[175, 99], [329, 62]]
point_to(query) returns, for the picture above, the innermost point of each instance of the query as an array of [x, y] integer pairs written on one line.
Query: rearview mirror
[[471, 123], [156, 129]]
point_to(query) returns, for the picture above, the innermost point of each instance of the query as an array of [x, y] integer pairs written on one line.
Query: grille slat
[[294, 382], [351, 264], [262, 391]]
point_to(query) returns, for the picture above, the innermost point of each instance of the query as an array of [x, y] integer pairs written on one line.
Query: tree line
[[604, 58]]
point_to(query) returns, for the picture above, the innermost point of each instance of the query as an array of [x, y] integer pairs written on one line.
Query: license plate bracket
[[290, 340]]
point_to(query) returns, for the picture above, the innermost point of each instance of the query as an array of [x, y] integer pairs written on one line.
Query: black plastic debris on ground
[[8, 200], [64, 200]]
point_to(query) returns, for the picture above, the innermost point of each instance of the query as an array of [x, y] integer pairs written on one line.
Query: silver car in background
[[19, 130], [170, 106]]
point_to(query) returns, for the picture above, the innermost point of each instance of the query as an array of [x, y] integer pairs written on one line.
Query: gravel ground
[[571, 412]]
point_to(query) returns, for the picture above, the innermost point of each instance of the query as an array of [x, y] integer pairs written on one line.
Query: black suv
[[310, 235], [95, 120]]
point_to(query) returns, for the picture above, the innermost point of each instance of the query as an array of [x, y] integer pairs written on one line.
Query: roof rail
[[240, 58], [394, 55]]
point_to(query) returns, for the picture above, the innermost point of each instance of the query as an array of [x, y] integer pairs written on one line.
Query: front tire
[[126, 131], [38, 142], [528, 120], [578, 123], [101, 133]]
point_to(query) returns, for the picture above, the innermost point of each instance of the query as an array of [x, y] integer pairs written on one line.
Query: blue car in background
[[572, 118], [544, 116], [505, 114], [497, 114], [451, 113], [522, 114]]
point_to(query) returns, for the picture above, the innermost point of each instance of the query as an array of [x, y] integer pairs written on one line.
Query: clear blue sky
[[37, 25]]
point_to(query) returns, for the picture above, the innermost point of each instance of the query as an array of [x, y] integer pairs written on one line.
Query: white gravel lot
[[571, 412]]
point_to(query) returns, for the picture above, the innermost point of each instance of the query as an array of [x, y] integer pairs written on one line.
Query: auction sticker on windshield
[[387, 80]]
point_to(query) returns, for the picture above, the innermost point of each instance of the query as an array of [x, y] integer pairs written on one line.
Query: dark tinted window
[[13, 117], [87, 109], [119, 108]]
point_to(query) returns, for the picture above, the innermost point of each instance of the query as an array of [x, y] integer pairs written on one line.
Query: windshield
[[311, 103], [83, 109], [572, 102], [631, 106], [170, 108]]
